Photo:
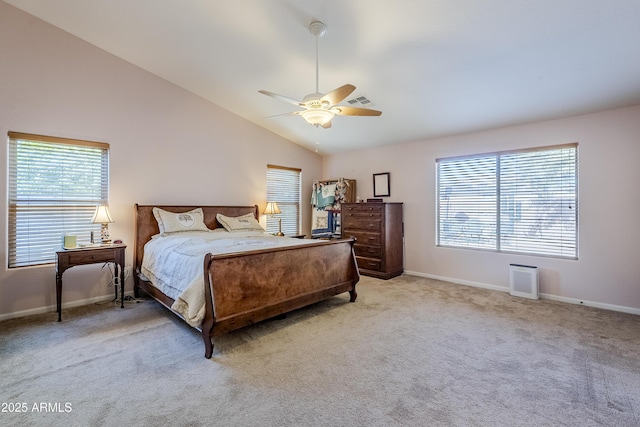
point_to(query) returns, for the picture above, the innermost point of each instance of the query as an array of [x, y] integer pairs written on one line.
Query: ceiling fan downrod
[[318, 29]]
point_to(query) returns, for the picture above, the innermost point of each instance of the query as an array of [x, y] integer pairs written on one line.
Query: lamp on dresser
[[272, 210], [103, 216]]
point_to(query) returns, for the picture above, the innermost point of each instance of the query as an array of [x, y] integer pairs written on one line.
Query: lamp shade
[[271, 208], [102, 215]]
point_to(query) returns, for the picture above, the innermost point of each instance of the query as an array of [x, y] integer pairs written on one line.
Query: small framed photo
[[381, 185]]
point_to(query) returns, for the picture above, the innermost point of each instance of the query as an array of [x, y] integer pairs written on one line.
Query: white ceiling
[[434, 67]]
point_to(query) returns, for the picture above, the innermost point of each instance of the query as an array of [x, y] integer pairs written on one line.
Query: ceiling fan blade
[[281, 97], [337, 95], [354, 111]]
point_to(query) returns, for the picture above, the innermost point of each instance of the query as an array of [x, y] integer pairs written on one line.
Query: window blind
[[55, 185], [284, 188], [521, 201]]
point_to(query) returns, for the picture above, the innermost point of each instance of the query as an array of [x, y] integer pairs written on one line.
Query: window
[[517, 201], [54, 187], [283, 187]]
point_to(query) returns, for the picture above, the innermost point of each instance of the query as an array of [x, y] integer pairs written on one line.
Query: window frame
[[44, 194], [497, 214], [290, 206]]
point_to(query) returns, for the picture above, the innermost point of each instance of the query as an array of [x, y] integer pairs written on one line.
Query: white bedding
[[174, 263]]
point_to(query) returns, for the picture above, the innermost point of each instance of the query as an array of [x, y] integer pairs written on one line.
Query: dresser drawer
[[376, 213], [368, 251], [363, 238], [369, 264], [361, 216], [89, 257], [361, 223], [362, 208]]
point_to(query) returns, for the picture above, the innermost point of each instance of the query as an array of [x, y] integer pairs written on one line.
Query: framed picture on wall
[[381, 185]]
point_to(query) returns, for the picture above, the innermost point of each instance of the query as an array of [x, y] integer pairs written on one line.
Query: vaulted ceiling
[[433, 67]]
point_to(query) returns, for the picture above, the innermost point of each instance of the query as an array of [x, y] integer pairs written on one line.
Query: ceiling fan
[[320, 108]]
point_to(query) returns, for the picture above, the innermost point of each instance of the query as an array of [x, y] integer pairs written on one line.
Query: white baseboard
[[52, 308], [612, 307]]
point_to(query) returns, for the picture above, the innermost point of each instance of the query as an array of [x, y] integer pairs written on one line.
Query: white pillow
[[176, 222], [239, 223]]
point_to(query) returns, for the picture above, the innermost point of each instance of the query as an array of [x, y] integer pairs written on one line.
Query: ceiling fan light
[[317, 117]]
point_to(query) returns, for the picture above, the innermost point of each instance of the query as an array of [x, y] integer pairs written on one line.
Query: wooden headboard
[[146, 225]]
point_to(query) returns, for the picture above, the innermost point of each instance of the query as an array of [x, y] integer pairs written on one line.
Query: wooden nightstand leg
[[59, 295]]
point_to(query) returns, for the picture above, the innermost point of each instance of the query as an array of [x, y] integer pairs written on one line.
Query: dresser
[[378, 230]]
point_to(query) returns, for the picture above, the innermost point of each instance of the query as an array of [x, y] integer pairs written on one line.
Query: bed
[[247, 283]]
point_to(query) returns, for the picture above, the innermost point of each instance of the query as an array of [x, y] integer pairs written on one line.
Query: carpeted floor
[[410, 352]]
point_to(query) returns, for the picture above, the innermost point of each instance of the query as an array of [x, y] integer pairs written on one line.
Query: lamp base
[[104, 234], [279, 233]]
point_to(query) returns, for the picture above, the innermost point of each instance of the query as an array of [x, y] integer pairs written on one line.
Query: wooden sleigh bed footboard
[[244, 288]]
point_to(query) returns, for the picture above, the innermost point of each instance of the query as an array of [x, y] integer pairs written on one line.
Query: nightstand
[[90, 255]]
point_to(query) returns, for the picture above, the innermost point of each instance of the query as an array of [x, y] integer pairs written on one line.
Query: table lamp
[[103, 216], [272, 209]]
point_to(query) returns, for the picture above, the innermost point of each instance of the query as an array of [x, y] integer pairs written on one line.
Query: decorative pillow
[[239, 223], [173, 222]]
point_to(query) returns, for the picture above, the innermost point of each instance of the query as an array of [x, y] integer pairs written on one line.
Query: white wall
[[167, 145], [607, 273]]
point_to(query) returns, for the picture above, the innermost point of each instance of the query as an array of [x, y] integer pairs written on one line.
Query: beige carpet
[[409, 352]]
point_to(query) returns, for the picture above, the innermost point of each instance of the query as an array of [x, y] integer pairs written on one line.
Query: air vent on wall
[[523, 280]]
